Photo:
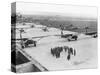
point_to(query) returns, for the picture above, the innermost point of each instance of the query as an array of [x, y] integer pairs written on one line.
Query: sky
[[55, 9]]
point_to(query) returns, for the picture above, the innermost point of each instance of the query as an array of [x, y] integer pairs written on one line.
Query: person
[[60, 49], [52, 51], [71, 50], [34, 43], [74, 52], [57, 52], [65, 48], [61, 33], [68, 57]]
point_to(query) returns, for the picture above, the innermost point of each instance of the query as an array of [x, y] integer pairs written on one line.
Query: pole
[[21, 38]]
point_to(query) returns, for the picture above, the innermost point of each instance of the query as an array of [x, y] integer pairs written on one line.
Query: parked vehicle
[[29, 43], [72, 38]]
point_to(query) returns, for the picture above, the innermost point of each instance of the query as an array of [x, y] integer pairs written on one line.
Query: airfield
[[86, 48]]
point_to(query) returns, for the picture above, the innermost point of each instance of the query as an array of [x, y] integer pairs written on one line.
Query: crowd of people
[[56, 51]]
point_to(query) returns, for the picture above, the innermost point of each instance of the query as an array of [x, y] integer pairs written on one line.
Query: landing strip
[[86, 54], [86, 48]]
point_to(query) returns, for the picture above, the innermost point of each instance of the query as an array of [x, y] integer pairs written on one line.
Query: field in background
[[69, 23]]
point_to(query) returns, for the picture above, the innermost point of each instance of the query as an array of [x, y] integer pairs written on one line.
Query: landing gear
[[69, 40], [75, 38]]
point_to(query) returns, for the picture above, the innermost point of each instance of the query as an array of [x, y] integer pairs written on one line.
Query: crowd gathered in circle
[[56, 51]]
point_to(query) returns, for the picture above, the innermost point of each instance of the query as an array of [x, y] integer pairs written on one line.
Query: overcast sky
[[51, 9]]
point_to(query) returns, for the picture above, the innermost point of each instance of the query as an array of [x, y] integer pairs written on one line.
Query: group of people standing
[[57, 50]]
